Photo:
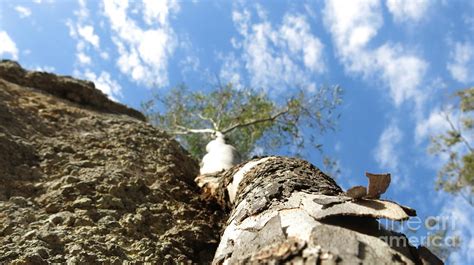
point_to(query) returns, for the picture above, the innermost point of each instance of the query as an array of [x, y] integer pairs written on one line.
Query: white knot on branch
[[220, 156]]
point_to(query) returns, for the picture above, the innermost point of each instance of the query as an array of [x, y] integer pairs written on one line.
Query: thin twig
[[214, 124], [458, 131], [271, 118], [467, 197]]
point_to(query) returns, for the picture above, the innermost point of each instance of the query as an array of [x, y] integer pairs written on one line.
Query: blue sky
[[397, 60]]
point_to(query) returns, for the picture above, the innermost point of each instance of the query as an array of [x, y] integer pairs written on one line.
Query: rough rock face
[[84, 180], [75, 90]]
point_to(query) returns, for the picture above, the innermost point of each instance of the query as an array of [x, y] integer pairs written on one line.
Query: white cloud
[[87, 33], [189, 64], [296, 33], [143, 52], [104, 55], [230, 70], [44, 68], [403, 73], [273, 55], [353, 24], [407, 10], [23, 11], [386, 152], [158, 11], [83, 58], [242, 21], [459, 214], [435, 124], [82, 13], [8, 46], [84, 34], [105, 83], [461, 64]]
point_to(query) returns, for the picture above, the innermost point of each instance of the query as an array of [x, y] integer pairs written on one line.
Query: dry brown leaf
[[378, 184], [357, 192]]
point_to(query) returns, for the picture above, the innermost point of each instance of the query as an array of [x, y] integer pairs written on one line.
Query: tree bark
[[285, 210]]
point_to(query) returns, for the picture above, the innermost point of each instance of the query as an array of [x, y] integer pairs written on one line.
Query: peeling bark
[[285, 210]]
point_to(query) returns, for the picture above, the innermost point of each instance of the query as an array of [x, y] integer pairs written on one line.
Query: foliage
[[442, 243], [249, 119], [457, 175]]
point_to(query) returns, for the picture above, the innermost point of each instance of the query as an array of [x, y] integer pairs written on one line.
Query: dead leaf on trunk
[[378, 184], [357, 192]]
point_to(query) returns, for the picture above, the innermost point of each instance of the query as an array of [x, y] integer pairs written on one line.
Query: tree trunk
[[286, 210]]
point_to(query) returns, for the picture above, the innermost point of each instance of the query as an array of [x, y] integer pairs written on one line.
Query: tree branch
[[184, 130], [256, 121], [214, 124], [458, 131], [189, 131]]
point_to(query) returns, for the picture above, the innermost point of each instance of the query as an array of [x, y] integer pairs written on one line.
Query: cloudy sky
[[397, 61]]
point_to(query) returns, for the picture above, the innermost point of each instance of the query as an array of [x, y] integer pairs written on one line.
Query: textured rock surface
[[78, 91], [80, 184]]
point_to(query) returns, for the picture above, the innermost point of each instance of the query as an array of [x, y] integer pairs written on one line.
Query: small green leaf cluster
[[457, 175]]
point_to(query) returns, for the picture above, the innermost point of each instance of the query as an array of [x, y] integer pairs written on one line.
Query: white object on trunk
[[219, 156]]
